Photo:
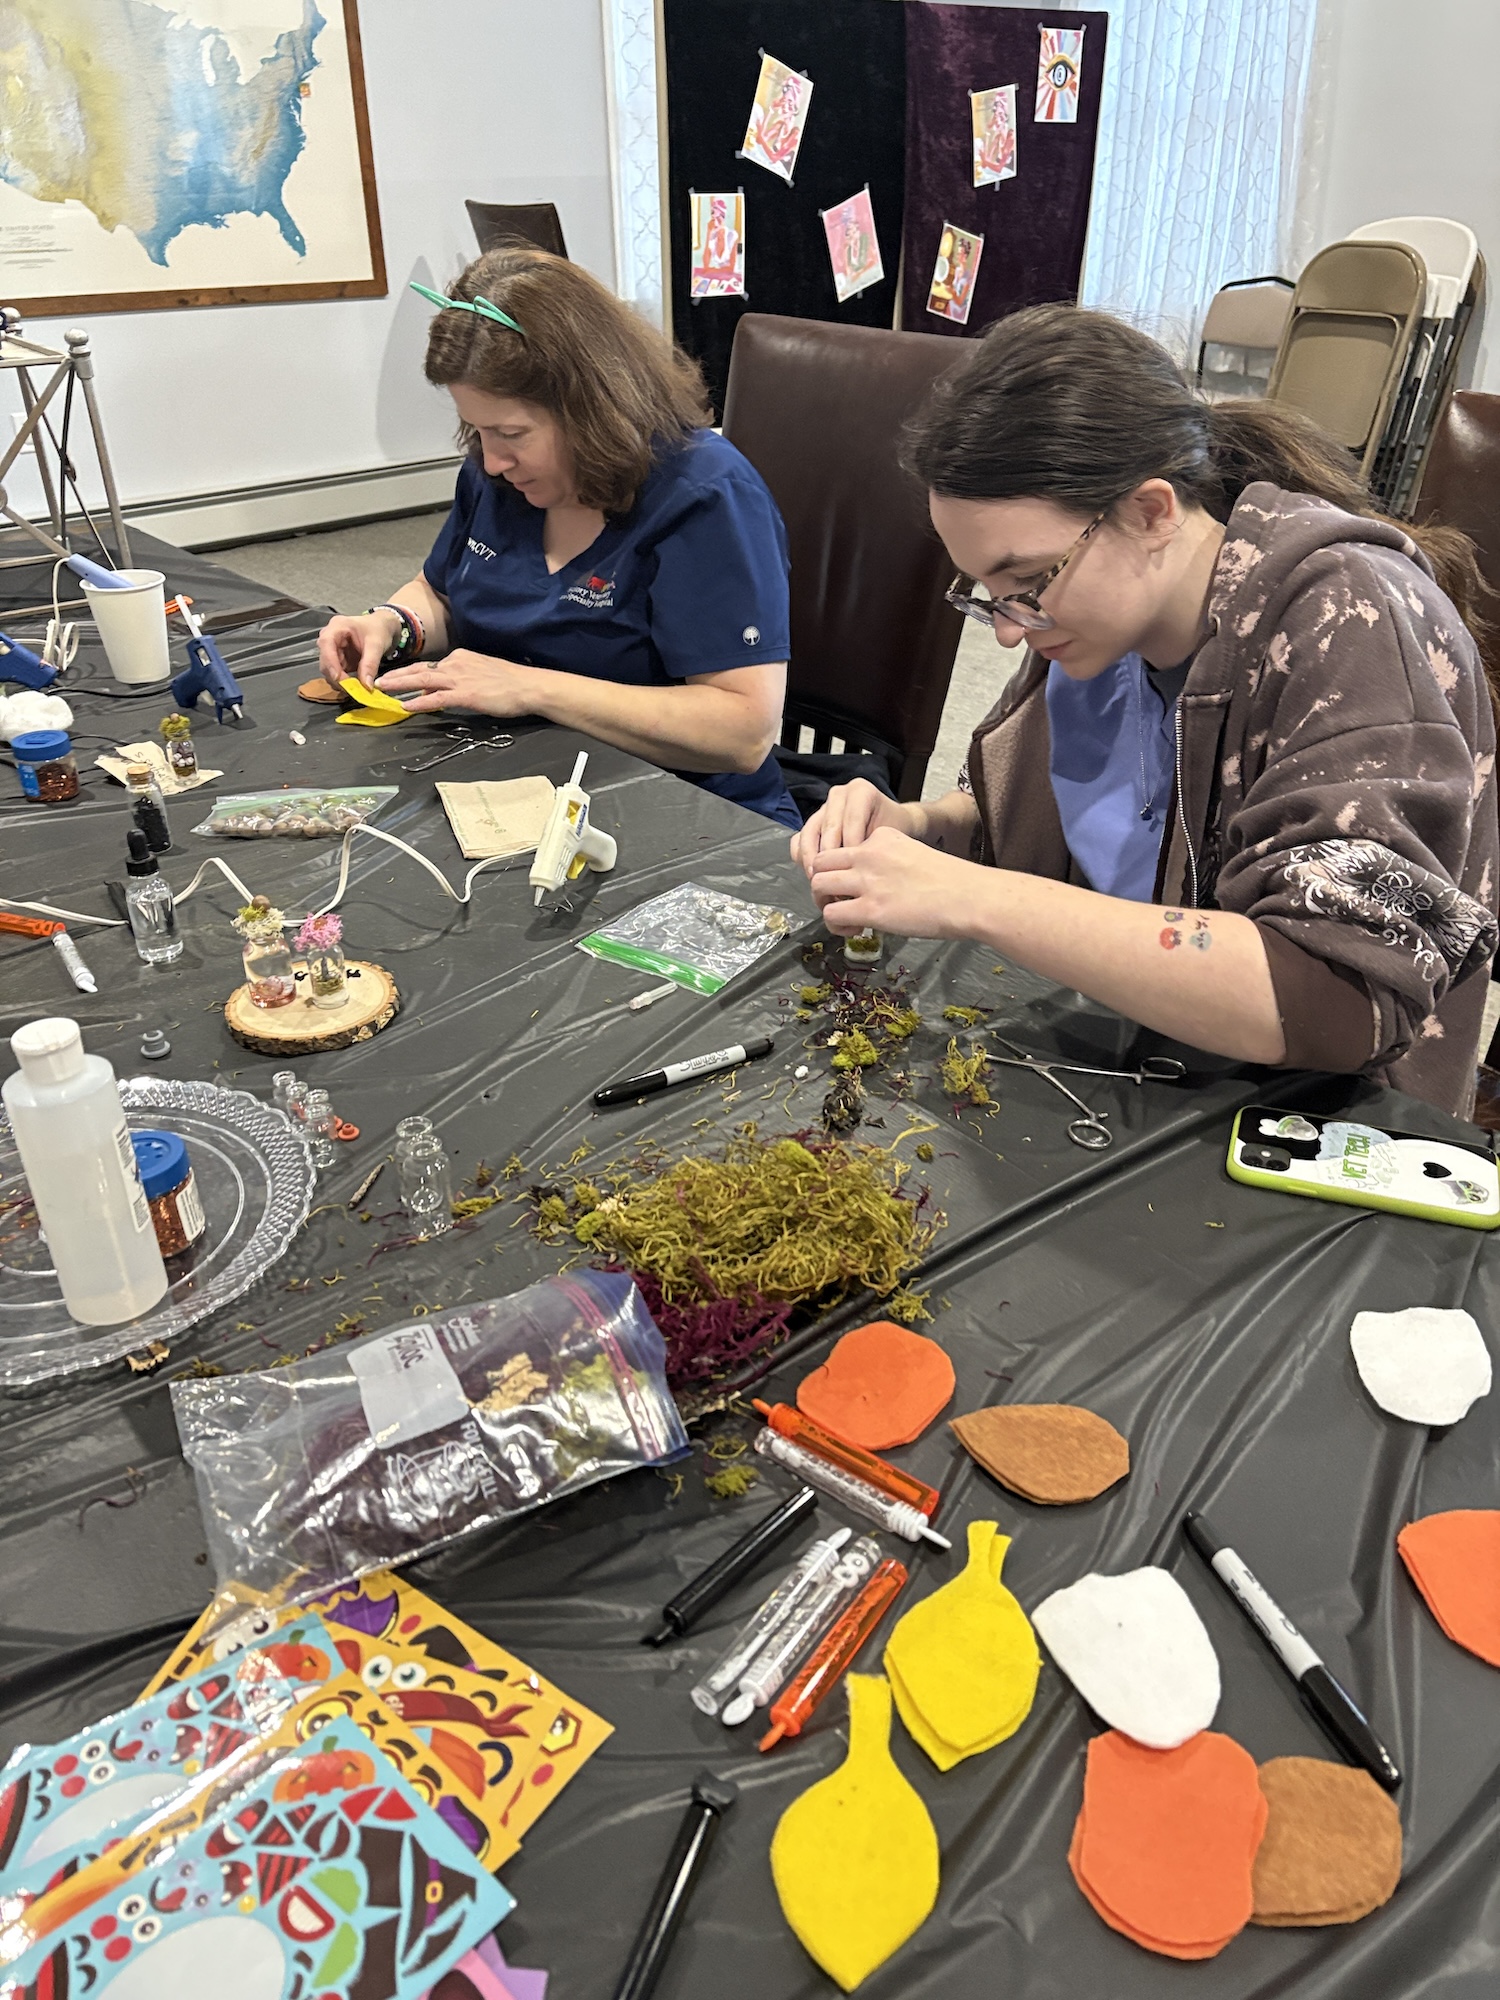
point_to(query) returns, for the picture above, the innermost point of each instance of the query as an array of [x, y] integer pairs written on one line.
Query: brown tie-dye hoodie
[[1335, 784]]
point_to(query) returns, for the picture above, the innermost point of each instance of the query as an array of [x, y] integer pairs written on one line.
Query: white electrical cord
[[377, 833], [117, 923]]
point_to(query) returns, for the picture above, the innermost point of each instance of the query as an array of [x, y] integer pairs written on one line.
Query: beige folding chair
[[1355, 313], [1239, 337]]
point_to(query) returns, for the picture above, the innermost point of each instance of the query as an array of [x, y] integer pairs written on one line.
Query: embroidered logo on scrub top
[[481, 549], [751, 635], [595, 593]]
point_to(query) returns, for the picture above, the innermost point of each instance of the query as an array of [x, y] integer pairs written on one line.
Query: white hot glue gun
[[570, 844]]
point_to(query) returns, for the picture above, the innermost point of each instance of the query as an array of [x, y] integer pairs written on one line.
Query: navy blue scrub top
[[693, 580]]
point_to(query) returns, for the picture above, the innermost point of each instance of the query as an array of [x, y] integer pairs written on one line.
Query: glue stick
[[780, 1657], [856, 1495], [811, 1568]]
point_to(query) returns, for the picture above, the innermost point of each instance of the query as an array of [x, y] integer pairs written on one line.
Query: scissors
[[466, 740], [1090, 1130]]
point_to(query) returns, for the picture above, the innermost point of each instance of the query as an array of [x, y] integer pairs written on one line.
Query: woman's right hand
[[356, 646], [849, 815]]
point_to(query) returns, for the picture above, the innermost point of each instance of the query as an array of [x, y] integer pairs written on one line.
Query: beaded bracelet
[[411, 642]]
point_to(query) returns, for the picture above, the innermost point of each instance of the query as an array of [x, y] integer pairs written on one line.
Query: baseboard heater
[[296, 506]]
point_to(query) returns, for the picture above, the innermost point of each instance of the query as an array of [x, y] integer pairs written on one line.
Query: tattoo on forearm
[[1175, 931]]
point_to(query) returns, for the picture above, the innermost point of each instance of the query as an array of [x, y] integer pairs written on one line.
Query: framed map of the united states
[[199, 153]]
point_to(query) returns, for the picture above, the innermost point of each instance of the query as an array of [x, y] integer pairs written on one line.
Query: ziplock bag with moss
[[376, 1452]]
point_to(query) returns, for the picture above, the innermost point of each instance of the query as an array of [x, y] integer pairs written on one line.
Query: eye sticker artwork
[[853, 248], [1058, 71], [952, 290], [992, 114], [777, 117], [718, 245]]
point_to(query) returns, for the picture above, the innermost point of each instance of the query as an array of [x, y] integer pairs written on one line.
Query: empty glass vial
[[426, 1183], [319, 1122], [410, 1129], [282, 1085]]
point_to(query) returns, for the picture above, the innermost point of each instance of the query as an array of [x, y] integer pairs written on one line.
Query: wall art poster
[[777, 117], [1057, 76], [992, 114], [156, 156], [718, 246], [853, 247], [952, 290]]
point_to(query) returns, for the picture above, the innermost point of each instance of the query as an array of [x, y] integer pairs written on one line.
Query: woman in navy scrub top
[[609, 563]]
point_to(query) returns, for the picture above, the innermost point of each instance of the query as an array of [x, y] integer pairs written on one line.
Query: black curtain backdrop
[[1034, 225], [855, 53]]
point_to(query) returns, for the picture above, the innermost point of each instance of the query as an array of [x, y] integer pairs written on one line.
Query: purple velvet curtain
[[1034, 225]]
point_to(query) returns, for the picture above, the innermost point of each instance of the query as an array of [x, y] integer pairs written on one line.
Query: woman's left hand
[[462, 680], [891, 882]]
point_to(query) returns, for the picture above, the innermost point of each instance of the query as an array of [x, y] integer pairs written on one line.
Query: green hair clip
[[481, 306]]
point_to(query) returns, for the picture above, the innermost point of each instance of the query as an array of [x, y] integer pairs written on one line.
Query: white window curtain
[[630, 90], [1199, 141]]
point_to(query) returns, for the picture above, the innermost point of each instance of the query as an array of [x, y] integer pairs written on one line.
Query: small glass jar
[[409, 1130], [268, 968], [140, 782], [325, 976], [176, 734], [45, 765], [426, 1184], [319, 1123], [171, 1192], [283, 1083]]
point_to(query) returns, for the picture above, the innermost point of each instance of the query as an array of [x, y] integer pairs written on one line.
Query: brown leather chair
[[818, 411], [497, 223], [1461, 485]]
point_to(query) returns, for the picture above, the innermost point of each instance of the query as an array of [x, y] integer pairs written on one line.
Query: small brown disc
[[1054, 1453], [320, 690], [1332, 1846], [301, 1029]]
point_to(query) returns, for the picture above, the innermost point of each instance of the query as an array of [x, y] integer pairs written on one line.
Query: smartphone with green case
[[1343, 1159]]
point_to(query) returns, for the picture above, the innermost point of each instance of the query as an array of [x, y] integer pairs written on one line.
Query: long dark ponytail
[[1076, 407]]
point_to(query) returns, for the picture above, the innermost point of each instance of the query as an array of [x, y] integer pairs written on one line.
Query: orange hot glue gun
[[885, 1478]]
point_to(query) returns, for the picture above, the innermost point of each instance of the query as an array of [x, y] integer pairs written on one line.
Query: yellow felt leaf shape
[[964, 1662], [856, 1858], [376, 710]]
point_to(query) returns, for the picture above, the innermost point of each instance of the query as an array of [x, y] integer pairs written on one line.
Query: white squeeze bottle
[[64, 1109]]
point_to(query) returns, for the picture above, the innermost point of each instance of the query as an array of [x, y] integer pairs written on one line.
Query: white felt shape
[[1137, 1652], [1428, 1364]]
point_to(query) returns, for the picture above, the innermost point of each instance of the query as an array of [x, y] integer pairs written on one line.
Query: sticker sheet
[[58, 1806], [992, 114], [952, 290], [1058, 71], [332, 1880], [777, 117], [718, 245], [853, 248], [235, 1617]]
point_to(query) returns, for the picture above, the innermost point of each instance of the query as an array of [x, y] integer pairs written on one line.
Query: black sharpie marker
[[1334, 1710], [683, 1072]]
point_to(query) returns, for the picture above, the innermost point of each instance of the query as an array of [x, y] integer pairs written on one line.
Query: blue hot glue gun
[[19, 663], [207, 673]]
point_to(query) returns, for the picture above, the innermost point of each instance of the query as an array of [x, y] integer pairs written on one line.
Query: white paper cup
[[133, 625]]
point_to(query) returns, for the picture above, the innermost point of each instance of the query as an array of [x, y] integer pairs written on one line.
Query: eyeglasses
[[482, 307], [1024, 607]]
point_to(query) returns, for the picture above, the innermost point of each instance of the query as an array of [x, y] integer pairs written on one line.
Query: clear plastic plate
[[255, 1179]]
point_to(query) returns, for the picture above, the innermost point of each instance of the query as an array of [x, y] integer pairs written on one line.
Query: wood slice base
[[301, 1029]]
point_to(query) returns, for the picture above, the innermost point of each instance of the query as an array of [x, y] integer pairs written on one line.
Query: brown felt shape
[[881, 1386], [1454, 1560], [1054, 1453], [319, 690], [1332, 1846], [1166, 1840]]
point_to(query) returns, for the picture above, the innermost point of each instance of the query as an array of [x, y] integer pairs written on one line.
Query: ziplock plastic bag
[[699, 937], [299, 813], [379, 1451]]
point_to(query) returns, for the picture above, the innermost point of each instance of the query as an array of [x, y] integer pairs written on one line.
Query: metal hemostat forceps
[[464, 740], [1090, 1130]]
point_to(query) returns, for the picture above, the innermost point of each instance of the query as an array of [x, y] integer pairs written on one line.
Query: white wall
[[499, 100], [1405, 123]]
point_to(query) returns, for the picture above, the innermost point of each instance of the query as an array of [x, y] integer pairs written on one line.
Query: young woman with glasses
[[1242, 789]]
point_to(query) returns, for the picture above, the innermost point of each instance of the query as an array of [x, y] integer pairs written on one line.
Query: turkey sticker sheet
[[327, 1879], [59, 1806]]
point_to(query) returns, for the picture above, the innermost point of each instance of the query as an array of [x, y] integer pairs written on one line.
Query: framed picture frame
[[248, 177]]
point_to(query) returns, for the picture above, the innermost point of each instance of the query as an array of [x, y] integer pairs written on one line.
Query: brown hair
[[1078, 408], [622, 393]]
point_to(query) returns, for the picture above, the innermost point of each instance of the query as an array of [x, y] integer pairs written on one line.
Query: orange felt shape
[[1167, 1840], [1454, 1560], [881, 1386], [1118, 1923]]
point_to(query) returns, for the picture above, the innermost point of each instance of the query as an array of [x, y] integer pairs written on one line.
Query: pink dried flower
[[320, 933]]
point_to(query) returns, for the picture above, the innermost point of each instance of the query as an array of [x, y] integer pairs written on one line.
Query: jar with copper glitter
[[171, 1192]]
